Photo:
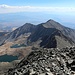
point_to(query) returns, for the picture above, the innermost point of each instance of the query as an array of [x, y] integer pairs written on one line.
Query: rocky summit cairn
[[47, 62]]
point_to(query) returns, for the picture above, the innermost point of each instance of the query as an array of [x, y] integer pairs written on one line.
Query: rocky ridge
[[45, 61], [49, 37], [22, 31]]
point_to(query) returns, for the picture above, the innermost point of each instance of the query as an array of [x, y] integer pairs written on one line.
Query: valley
[[38, 49]]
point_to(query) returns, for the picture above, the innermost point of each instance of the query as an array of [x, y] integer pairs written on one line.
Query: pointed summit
[[53, 24], [50, 20]]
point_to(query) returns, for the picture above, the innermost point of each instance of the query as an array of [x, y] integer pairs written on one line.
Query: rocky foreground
[[47, 62]]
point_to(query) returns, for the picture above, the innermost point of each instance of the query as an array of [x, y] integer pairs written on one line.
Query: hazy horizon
[[16, 13]]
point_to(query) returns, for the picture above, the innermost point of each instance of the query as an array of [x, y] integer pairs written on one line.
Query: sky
[[62, 11], [38, 2], [58, 6]]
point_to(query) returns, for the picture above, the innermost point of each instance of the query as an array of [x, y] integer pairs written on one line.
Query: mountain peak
[[52, 24], [50, 20], [28, 24]]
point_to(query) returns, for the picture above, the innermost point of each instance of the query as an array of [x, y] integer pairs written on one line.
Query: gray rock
[[46, 62]]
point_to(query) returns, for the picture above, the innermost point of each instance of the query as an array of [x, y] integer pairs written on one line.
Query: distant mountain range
[[7, 28], [50, 34]]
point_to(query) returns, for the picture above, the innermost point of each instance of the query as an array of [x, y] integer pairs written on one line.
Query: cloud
[[12, 9]]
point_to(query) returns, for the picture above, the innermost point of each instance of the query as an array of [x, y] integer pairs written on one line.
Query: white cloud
[[12, 9]]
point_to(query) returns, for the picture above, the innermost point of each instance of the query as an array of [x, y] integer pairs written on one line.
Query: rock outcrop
[[52, 61]]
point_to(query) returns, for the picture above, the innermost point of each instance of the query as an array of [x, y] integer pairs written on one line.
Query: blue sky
[[58, 6], [18, 12], [39, 2]]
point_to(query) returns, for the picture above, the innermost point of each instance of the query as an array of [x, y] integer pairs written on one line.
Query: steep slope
[[49, 37], [68, 32], [25, 30], [22, 31]]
